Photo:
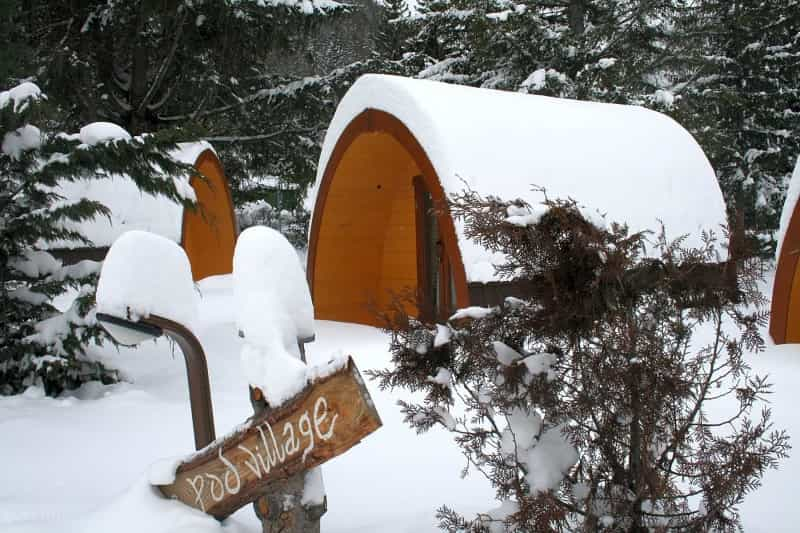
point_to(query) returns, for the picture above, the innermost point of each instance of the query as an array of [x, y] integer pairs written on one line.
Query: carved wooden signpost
[[328, 418]]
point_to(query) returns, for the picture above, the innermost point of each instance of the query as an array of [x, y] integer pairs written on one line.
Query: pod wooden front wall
[[363, 247], [209, 231]]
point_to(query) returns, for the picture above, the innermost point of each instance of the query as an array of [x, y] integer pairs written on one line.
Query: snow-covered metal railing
[[304, 415], [196, 366]]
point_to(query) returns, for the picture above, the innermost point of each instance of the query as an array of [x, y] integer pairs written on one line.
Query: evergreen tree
[[392, 35], [201, 66], [600, 50], [739, 94], [603, 50], [38, 344], [446, 38], [142, 64], [17, 55], [587, 402]]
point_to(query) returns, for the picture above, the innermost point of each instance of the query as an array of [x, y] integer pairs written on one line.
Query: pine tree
[[446, 37], [391, 38], [740, 96], [202, 66], [17, 54], [600, 50], [587, 400], [38, 344]]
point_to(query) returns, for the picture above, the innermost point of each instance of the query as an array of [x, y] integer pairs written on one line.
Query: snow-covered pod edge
[[130, 208], [632, 164]]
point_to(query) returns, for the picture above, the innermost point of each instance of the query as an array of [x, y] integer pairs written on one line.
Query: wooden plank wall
[[209, 233], [367, 239], [793, 315]]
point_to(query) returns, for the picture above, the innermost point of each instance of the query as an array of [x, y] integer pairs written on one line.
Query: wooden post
[[281, 509], [272, 509]]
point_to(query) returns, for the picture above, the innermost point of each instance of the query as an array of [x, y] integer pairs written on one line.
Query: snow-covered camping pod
[[784, 324], [398, 146], [207, 233]]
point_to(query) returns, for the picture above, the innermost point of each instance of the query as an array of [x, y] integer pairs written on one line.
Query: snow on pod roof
[[792, 197], [131, 208], [636, 165]]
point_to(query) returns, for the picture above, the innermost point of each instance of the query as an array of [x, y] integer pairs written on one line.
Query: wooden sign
[[325, 420]]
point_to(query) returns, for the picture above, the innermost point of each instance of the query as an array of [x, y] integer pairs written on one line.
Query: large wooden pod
[[207, 233], [397, 148], [784, 325]]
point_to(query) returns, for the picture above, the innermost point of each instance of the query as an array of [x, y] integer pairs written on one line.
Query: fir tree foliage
[[594, 401], [204, 66], [598, 50], [739, 88], [38, 344], [391, 38], [143, 64], [726, 70]]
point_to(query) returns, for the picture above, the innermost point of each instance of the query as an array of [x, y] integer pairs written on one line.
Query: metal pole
[[197, 374]]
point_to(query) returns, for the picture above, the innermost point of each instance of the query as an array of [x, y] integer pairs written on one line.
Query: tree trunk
[[636, 450], [577, 15], [139, 67]]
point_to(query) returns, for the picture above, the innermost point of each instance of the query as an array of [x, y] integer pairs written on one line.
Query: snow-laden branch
[[262, 137], [164, 68], [258, 95]]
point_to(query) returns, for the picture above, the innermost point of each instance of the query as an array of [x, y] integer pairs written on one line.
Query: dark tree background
[[261, 82]]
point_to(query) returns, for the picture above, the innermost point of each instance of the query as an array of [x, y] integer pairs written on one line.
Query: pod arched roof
[[635, 165]]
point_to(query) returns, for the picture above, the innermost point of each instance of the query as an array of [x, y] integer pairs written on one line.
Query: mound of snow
[[19, 96], [264, 261], [100, 132], [21, 140], [146, 274]]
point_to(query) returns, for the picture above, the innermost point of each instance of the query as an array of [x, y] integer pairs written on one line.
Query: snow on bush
[[590, 401], [100, 132], [20, 96], [145, 274], [21, 140]]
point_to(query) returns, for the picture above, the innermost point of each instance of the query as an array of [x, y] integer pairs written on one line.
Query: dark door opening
[[436, 286]]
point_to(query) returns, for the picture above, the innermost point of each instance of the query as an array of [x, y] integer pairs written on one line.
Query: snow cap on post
[[265, 262], [146, 274], [273, 312]]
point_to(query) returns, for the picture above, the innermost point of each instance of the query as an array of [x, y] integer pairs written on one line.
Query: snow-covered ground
[[80, 463]]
